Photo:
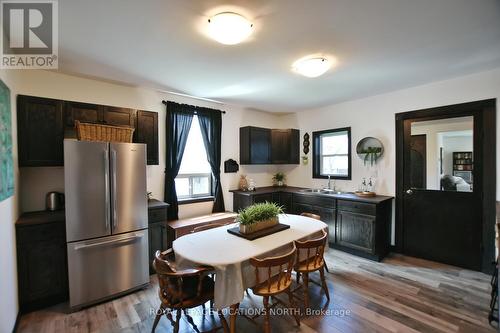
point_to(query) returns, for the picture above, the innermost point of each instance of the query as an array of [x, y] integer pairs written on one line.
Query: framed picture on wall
[[6, 159]]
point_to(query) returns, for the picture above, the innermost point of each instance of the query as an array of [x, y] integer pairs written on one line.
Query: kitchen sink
[[322, 191]]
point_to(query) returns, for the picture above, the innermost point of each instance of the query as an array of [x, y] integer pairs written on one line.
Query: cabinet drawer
[[157, 215], [357, 207], [43, 232], [314, 200]]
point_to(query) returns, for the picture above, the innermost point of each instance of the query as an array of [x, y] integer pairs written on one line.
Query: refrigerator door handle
[[106, 189], [115, 241], [113, 165]]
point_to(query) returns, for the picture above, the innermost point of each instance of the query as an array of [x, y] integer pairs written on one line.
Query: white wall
[[8, 215], [375, 116], [36, 182]]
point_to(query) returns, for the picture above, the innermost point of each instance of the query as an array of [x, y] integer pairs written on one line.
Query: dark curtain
[[211, 129], [179, 119]]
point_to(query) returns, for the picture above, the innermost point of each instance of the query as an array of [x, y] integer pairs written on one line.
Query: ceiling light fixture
[[311, 66], [229, 28]]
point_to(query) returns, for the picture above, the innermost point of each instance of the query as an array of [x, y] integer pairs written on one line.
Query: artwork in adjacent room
[[6, 160]]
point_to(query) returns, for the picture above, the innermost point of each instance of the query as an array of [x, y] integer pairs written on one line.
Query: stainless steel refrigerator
[[106, 219]]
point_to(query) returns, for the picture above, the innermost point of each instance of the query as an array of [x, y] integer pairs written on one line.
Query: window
[[332, 153], [195, 175]]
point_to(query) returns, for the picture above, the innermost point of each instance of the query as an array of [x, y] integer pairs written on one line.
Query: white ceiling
[[380, 46]]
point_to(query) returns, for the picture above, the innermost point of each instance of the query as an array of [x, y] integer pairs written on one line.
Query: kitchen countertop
[[41, 217], [300, 190]]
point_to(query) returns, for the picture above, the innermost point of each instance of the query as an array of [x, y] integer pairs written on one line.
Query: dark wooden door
[[40, 131], [356, 231], [418, 160], [452, 227], [328, 216], [280, 146], [266, 197], [147, 132], [83, 112], [260, 149]]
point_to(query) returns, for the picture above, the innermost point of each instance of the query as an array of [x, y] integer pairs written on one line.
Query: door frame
[[484, 113]]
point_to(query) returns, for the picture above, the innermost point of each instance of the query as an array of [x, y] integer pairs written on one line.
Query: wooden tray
[[258, 234], [365, 194]]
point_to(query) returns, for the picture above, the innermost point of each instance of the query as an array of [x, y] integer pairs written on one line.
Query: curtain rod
[[165, 102]]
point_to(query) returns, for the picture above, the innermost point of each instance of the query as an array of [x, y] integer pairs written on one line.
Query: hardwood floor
[[401, 294]]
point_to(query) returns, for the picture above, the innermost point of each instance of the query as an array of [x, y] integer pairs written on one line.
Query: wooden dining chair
[[310, 259], [316, 217], [278, 279], [208, 226], [182, 289]]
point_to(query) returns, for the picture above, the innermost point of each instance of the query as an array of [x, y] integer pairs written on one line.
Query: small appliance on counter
[[54, 201]]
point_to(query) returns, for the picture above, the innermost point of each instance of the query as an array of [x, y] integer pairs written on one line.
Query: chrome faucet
[[329, 185]]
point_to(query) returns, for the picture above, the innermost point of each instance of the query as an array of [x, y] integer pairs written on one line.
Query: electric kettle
[[54, 201]]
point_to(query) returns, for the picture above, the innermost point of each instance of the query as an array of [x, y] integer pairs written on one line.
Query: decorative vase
[[243, 184], [259, 225], [280, 183]]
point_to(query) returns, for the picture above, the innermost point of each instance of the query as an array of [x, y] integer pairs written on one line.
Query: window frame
[[190, 177], [316, 151]]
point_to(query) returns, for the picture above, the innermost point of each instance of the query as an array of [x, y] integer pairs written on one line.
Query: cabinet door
[[328, 216], [119, 116], [146, 132], [299, 208], [280, 146], [40, 131], [157, 233], [286, 201], [84, 112], [260, 152], [42, 266], [267, 197], [356, 231]]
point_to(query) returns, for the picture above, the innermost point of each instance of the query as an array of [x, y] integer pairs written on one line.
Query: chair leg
[[292, 305], [191, 321], [223, 321], [323, 282], [326, 267], [177, 321], [267, 322], [297, 277], [159, 313], [305, 278]]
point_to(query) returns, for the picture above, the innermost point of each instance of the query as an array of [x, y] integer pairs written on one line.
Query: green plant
[[258, 212], [372, 154], [279, 177]]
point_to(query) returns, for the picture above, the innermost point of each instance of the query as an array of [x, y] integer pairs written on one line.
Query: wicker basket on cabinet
[[100, 132]]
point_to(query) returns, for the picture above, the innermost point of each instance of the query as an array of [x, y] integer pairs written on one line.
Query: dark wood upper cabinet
[[269, 146], [119, 116], [83, 112], [43, 123], [255, 145], [285, 146], [40, 131], [146, 132]]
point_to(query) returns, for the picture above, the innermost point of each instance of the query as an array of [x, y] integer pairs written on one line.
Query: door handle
[[106, 189], [113, 165], [409, 191], [115, 241]]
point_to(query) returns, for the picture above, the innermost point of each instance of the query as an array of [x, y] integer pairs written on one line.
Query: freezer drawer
[[110, 265]]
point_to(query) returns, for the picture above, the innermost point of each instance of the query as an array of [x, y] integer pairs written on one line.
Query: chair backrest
[[311, 251], [311, 215], [172, 281], [284, 264], [208, 226]]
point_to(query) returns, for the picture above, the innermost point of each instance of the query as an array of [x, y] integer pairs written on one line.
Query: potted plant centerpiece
[[258, 216], [279, 179]]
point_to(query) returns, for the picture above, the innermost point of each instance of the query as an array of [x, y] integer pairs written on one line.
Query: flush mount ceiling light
[[229, 28], [311, 66]]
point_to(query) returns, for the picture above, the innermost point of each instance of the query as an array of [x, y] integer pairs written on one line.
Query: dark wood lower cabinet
[[157, 233], [356, 231], [41, 260], [356, 225]]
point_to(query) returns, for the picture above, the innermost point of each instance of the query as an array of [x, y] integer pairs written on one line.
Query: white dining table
[[230, 254]]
